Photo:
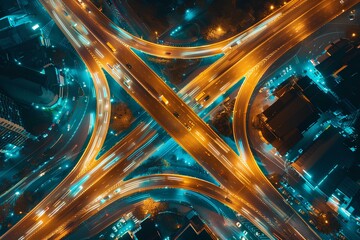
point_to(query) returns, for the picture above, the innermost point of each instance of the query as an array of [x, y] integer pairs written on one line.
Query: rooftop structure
[[345, 198], [147, 231], [323, 164], [27, 86], [282, 124], [340, 67], [195, 229]]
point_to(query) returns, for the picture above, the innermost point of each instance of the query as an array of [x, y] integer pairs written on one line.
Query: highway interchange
[[241, 180]]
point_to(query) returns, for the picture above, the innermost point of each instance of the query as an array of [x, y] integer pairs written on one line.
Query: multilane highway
[[92, 203], [312, 22], [121, 155], [294, 216], [170, 101], [299, 21], [174, 128], [166, 51], [36, 226], [97, 138]]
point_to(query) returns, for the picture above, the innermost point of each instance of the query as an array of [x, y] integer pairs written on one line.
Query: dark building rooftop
[[189, 232], [148, 231], [7, 7], [340, 66], [195, 229], [285, 120], [322, 101], [349, 187], [324, 162], [12, 37], [25, 85], [335, 54]]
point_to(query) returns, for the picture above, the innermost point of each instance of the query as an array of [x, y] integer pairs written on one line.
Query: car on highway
[[300, 197], [104, 199], [187, 126], [238, 224], [199, 96], [163, 100], [302, 212], [176, 114], [126, 82], [128, 66]]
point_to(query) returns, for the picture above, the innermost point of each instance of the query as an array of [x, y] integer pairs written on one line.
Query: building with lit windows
[[12, 133]]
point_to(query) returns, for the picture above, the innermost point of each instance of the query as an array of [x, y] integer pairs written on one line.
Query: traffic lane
[[124, 168], [43, 205], [251, 91], [274, 199], [247, 91], [110, 179], [261, 49], [250, 83], [149, 80], [27, 221], [157, 87], [163, 51], [102, 93], [151, 88], [133, 41], [247, 46], [71, 210], [128, 63], [169, 181]]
